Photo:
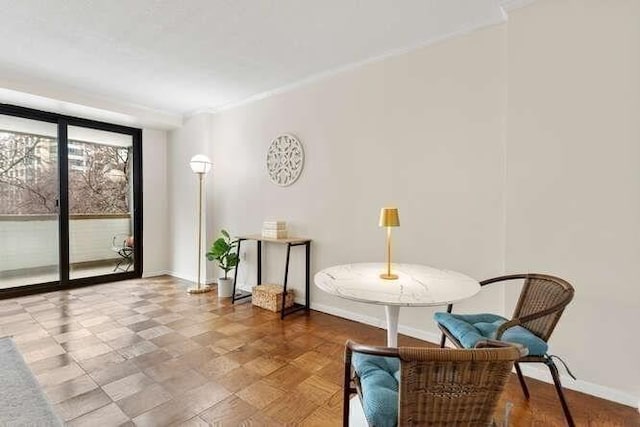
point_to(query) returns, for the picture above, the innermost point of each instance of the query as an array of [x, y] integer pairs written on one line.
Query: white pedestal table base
[[393, 312]]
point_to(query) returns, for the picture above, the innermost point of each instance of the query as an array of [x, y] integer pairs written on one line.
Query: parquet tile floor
[[146, 353]]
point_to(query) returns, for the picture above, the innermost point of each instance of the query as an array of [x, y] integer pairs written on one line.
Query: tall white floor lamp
[[200, 165]]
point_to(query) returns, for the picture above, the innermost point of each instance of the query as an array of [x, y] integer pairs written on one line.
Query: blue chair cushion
[[379, 378], [468, 329]]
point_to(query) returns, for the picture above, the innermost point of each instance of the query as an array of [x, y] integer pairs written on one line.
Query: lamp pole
[[389, 252], [201, 176], [200, 165]]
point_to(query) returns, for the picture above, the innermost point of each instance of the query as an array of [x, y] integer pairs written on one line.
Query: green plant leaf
[[232, 260], [222, 251], [220, 247]]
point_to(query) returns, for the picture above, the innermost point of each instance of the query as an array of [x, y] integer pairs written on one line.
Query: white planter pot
[[225, 287]]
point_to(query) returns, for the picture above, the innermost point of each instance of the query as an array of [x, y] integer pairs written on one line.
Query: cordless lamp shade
[[200, 164], [389, 217]]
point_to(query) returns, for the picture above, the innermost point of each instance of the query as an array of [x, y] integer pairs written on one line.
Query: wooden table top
[[258, 237]]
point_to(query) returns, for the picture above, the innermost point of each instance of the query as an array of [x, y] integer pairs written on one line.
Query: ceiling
[[177, 57]]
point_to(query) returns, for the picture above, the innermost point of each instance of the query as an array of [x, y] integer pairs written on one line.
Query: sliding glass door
[[70, 201], [28, 202], [101, 223]]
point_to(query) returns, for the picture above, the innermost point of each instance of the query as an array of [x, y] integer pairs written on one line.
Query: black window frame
[[64, 121]]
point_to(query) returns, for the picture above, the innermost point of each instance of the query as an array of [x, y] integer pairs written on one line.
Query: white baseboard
[[189, 278], [509, 5], [156, 273], [530, 370], [377, 322], [181, 276], [541, 373]]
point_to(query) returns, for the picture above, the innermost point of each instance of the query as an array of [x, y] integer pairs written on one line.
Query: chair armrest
[[503, 278], [349, 376], [494, 280], [499, 344], [372, 350], [347, 365], [502, 328], [346, 385], [529, 317]]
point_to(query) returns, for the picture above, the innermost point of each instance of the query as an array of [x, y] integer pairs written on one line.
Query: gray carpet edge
[[22, 400]]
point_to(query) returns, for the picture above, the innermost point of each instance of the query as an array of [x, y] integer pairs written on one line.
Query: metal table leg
[[297, 307], [238, 295]]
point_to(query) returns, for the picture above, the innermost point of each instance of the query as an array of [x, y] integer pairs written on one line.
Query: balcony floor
[[32, 276]]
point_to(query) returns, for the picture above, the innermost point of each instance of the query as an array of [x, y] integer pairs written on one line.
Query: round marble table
[[416, 286]]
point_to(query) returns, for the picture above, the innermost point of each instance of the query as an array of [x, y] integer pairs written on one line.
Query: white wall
[[423, 131], [511, 149], [573, 193], [155, 199], [193, 138]]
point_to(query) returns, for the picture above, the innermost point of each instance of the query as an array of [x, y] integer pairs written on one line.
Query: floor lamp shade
[[200, 165]]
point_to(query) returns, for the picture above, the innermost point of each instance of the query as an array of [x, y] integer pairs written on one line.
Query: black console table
[[290, 242]]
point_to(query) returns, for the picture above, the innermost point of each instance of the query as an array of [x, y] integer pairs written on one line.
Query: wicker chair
[[436, 386], [122, 244], [542, 301]]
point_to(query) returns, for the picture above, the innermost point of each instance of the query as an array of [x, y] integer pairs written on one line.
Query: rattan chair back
[[543, 293], [442, 387], [450, 386]]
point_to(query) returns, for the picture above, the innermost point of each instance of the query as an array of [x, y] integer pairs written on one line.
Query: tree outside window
[[99, 176]]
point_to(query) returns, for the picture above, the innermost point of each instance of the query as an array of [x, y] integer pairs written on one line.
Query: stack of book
[[274, 229]]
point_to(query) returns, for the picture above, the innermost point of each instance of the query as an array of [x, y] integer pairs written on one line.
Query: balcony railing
[[31, 241]]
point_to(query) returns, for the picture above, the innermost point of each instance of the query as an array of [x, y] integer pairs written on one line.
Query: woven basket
[[270, 297]]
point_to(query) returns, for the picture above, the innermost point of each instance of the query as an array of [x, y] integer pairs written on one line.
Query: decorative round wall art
[[285, 159]]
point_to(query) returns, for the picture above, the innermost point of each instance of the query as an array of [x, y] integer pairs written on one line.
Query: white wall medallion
[[285, 159]]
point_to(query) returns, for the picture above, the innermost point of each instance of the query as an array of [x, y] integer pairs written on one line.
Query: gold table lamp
[[389, 218]]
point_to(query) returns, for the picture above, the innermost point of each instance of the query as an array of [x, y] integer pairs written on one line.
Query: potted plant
[[223, 252]]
